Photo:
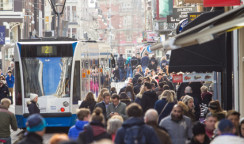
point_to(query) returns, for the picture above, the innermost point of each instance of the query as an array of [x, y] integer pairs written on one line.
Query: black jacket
[[4, 91], [32, 138], [148, 100], [206, 141], [103, 107], [33, 108], [88, 104], [137, 88]]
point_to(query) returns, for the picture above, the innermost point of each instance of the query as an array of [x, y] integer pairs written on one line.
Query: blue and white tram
[[50, 69]]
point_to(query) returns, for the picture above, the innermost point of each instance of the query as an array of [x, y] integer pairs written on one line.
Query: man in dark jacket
[[7, 119], [35, 126], [3, 90], [144, 62], [134, 129], [151, 119], [121, 65], [134, 62], [104, 104], [137, 86], [149, 97]]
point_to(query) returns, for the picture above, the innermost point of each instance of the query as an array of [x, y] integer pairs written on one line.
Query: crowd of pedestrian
[[149, 109]]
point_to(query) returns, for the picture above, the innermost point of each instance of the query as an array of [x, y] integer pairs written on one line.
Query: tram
[[60, 73]]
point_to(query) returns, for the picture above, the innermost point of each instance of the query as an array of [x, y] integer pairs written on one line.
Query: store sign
[[220, 3], [180, 14], [193, 77], [193, 1], [193, 15], [171, 19], [151, 37], [2, 35]]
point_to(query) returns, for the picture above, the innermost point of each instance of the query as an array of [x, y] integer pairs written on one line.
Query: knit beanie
[[198, 128], [35, 122], [33, 96]]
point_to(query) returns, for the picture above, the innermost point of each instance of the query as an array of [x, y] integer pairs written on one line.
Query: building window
[[6, 5]]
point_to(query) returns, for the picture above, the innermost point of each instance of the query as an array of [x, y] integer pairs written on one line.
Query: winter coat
[[121, 62], [75, 130], [120, 109], [10, 81], [97, 133], [145, 61], [32, 138], [4, 92], [162, 135], [148, 100], [179, 131], [33, 107], [159, 105], [227, 139], [159, 91], [135, 78], [88, 104], [7, 119], [147, 131], [206, 98], [152, 67], [137, 88]]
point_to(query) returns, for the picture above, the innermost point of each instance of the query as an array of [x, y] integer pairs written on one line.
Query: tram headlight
[[65, 104]]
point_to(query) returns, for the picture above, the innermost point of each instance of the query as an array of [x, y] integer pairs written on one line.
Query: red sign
[[177, 78], [220, 3]]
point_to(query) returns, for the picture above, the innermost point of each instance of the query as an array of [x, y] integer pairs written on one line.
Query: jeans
[[129, 72], [121, 73], [8, 140]]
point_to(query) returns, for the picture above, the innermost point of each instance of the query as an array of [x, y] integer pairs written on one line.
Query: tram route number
[[47, 49]]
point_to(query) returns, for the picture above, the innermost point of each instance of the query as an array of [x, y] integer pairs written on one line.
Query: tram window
[[76, 84], [18, 94]]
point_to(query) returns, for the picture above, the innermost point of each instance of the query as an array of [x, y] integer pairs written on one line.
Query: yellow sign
[[47, 19], [47, 49]]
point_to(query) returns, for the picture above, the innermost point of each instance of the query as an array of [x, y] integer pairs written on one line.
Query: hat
[[198, 128], [35, 122], [224, 125], [33, 96], [186, 98]]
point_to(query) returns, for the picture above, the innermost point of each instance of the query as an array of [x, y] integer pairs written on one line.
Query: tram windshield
[[47, 76]]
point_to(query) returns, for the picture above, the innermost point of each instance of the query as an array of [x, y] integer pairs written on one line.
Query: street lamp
[[58, 8]]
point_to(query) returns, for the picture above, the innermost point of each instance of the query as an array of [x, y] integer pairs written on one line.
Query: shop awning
[[201, 47]]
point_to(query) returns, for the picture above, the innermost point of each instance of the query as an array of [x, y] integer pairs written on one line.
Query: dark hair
[[139, 80], [166, 87], [153, 85], [134, 110], [106, 94], [97, 115], [113, 89], [148, 85], [123, 95], [161, 84], [198, 128], [130, 89], [215, 105], [89, 97], [233, 112], [241, 123], [82, 113], [115, 96]]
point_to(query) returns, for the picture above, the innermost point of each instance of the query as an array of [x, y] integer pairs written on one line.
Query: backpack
[[134, 135]]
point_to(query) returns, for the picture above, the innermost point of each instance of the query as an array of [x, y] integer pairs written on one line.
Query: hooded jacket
[[147, 131], [32, 138], [33, 107], [75, 130]]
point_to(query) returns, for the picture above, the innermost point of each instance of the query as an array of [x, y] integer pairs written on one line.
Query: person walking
[[178, 126], [10, 83], [116, 107], [3, 90], [200, 136], [32, 105], [104, 104], [144, 62], [226, 131], [151, 119], [95, 130], [7, 119], [149, 97], [35, 127], [134, 129], [89, 102], [121, 65], [83, 116]]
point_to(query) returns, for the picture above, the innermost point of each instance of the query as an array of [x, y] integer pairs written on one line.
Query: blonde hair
[[142, 90], [168, 95], [100, 96], [204, 89], [5, 102]]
